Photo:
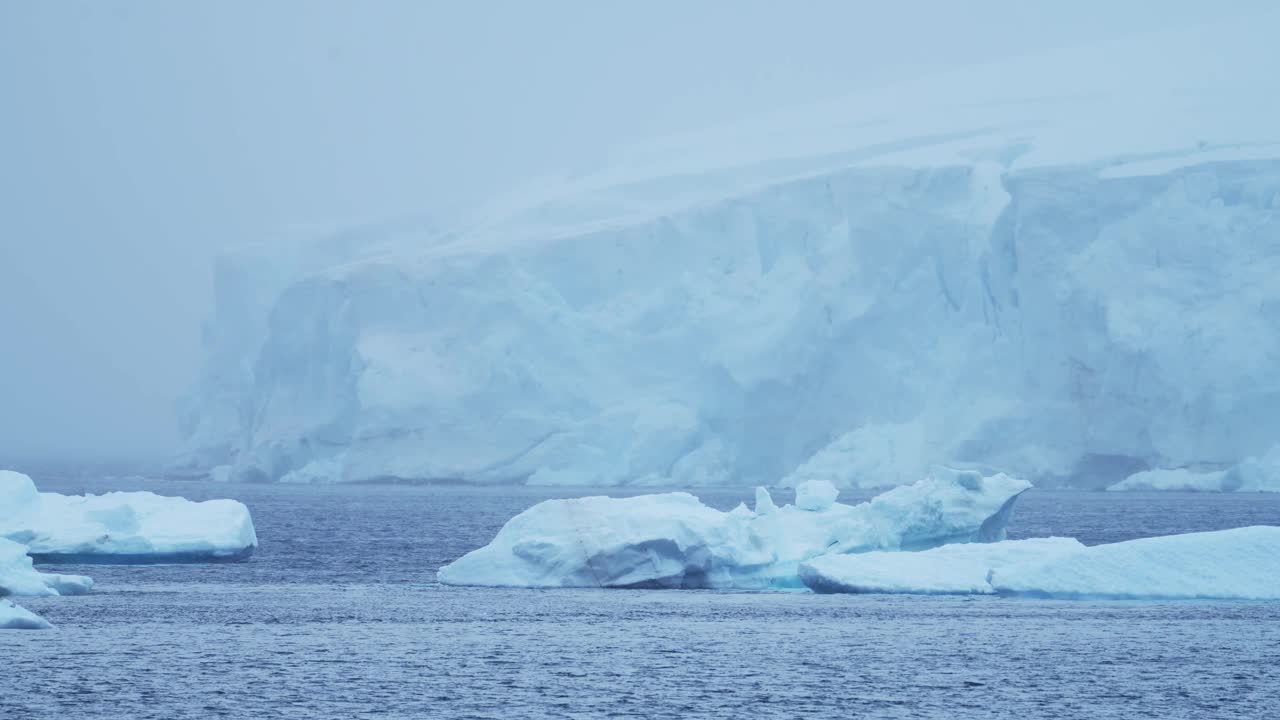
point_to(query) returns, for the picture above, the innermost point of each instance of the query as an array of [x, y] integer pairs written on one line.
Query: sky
[[139, 139]]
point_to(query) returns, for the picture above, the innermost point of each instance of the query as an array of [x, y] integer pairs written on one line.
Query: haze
[[138, 139]]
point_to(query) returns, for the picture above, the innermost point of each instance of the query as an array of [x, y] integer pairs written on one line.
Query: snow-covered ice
[[122, 527], [957, 569], [674, 541], [1062, 266], [18, 575], [1253, 474], [1243, 563], [16, 617]]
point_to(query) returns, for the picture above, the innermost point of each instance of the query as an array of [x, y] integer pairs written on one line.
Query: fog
[[138, 139]]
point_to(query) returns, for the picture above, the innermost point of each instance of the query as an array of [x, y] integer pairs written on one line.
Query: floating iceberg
[[122, 527], [19, 577], [958, 569], [1243, 563], [1254, 474], [674, 541], [16, 617]]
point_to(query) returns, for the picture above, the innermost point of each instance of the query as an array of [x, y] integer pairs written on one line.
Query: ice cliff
[[1062, 266]]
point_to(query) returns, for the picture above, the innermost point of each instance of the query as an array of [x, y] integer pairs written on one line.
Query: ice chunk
[[123, 527], [816, 495], [1243, 563], [764, 502], [19, 577], [958, 569], [674, 541], [16, 617]]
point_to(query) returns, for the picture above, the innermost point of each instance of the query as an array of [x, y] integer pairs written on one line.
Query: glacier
[[1061, 267], [1238, 564], [121, 527], [672, 540]]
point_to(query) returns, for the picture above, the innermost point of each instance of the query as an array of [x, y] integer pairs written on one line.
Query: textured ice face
[[123, 527], [674, 541], [1063, 268]]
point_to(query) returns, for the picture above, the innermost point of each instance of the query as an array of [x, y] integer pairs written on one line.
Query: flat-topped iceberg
[[959, 569], [672, 540], [1243, 563], [122, 527]]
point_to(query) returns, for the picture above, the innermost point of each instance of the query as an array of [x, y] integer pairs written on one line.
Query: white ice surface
[[674, 541], [1060, 265], [957, 569], [1228, 564], [16, 617], [127, 526], [19, 577]]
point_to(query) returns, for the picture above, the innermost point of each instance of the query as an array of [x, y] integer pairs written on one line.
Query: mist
[[139, 139]]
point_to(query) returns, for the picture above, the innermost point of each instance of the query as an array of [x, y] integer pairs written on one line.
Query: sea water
[[338, 615]]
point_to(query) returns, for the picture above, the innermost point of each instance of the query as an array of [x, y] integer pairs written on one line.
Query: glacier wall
[[1072, 324]]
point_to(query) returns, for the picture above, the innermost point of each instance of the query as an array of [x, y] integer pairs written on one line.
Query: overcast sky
[[139, 138]]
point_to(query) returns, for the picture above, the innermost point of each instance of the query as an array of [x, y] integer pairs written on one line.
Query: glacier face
[[1009, 281]]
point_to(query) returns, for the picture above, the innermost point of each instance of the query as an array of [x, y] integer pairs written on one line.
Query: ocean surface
[[338, 615]]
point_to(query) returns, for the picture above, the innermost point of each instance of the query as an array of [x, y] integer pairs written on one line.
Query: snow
[[958, 569], [674, 541], [1253, 474], [1061, 266], [16, 617], [1239, 564], [122, 527]]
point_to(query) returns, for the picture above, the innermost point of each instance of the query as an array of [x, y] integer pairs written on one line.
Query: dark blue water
[[338, 616]]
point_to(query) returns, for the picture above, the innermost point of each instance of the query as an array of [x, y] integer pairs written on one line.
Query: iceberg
[[1239, 564], [958, 569], [122, 527], [16, 617], [19, 577], [1060, 265], [674, 541], [1254, 474]]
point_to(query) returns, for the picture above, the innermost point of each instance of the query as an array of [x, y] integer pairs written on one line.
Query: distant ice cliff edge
[[122, 527], [1062, 265], [674, 541]]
